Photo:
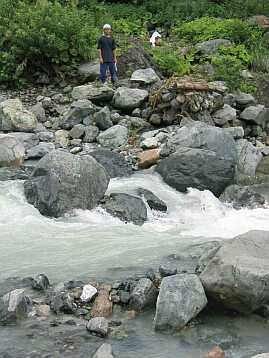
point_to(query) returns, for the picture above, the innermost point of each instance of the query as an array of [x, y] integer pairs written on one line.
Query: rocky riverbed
[[155, 162]]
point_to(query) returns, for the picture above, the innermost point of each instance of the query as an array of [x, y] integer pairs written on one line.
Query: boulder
[[88, 293], [238, 274], [41, 282], [39, 112], [113, 137], [216, 352], [210, 47], [126, 207], [248, 157], [197, 168], [244, 100], [143, 295], [62, 182], [93, 92], [14, 117], [28, 140], [102, 119], [243, 197], [62, 302], [152, 200], [149, 143], [14, 305], [62, 138], [148, 158], [46, 136], [104, 351], [91, 133], [181, 298], [89, 71], [78, 111], [224, 115], [203, 136], [145, 76], [11, 151], [103, 305], [114, 163], [129, 98], [40, 150], [77, 131], [251, 114], [98, 326]]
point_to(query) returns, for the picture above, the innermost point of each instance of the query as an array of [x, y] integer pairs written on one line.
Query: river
[[93, 244]]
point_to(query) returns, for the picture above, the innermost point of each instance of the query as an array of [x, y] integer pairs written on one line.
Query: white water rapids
[[93, 242]]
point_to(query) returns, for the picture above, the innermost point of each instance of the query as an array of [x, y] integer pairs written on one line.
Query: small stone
[[75, 150], [82, 312], [136, 112], [149, 143], [91, 133], [167, 270], [102, 119], [224, 115], [144, 295], [124, 297], [88, 293], [62, 302], [216, 352], [62, 138], [77, 131], [42, 310], [41, 283], [148, 158], [45, 136], [98, 326]]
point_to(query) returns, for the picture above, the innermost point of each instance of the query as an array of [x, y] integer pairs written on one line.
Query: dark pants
[[103, 71]]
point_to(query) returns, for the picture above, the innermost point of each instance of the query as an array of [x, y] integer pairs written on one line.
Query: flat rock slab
[[238, 274], [146, 76], [181, 299], [129, 98]]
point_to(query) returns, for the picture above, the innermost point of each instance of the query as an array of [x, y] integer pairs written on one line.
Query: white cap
[[107, 26]]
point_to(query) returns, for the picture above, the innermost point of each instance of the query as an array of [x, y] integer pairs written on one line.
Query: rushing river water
[[93, 244]]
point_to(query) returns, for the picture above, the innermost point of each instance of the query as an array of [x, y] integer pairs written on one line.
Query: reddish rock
[[148, 158], [216, 352], [102, 306]]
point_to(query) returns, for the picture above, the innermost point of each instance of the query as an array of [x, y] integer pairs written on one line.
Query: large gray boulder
[[248, 157], [11, 151], [28, 140], [62, 182], [238, 275], [14, 117], [102, 119], [244, 100], [181, 299], [129, 98], [243, 196], [211, 46], [127, 208], [114, 163], [77, 112], [113, 137], [203, 136], [145, 76], [89, 71], [93, 92], [14, 305], [91, 133], [197, 168]]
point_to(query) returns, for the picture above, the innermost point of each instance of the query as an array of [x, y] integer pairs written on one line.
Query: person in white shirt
[[155, 39]]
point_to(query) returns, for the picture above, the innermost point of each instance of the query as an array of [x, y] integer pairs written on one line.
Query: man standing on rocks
[[107, 55]]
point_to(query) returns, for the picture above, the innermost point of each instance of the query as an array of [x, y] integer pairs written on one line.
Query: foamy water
[[90, 242]]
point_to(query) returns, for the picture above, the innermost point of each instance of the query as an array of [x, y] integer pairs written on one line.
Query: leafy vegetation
[[56, 35]]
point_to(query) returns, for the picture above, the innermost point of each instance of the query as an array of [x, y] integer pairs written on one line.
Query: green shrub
[[209, 28], [46, 33], [168, 58]]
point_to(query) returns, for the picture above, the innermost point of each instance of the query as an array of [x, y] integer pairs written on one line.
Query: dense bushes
[[44, 34]]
